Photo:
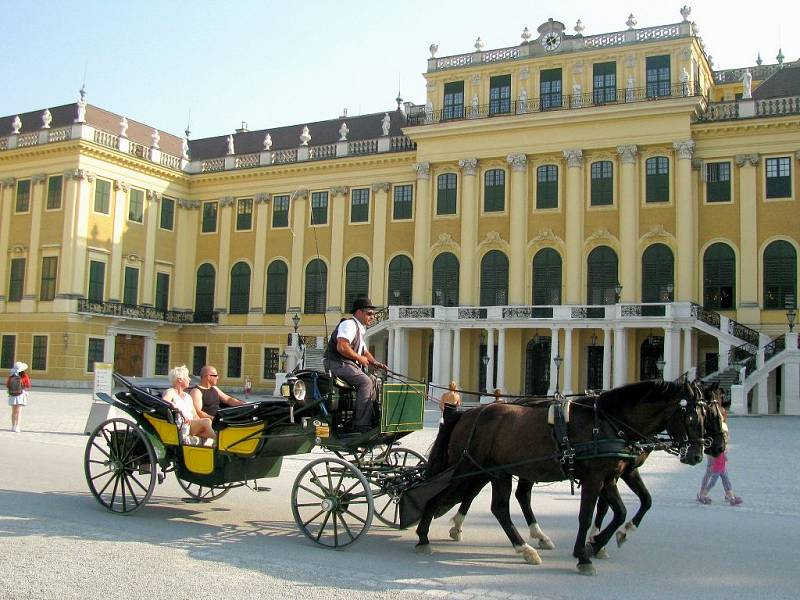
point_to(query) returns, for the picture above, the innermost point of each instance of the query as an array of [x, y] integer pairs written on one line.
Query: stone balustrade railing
[[747, 109]]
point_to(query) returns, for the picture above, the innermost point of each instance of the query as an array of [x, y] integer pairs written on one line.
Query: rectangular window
[[401, 206], [547, 186], [453, 107], [130, 293], [162, 291], [199, 354], [55, 186], [280, 211], [7, 351], [162, 359], [16, 282], [657, 179], [94, 353], [779, 177], [97, 280], [271, 363], [47, 289], [658, 76], [23, 196], [102, 196], [135, 205], [234, 362], [718, 182], [499, 94], [602, 174], [209, 217], [604, 82], [446, 194], [244, 214], [494, 191], [39, 355], [319, 208], [550, 88], [167, 217], [359, 206]]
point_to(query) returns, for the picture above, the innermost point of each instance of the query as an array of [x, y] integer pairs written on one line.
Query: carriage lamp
[[296, 321], [618, 291], [660, 366]]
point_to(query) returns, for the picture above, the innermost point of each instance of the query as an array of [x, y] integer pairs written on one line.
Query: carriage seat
[[250, 413]]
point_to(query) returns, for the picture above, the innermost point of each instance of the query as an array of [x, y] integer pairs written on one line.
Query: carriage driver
[[347, 357]]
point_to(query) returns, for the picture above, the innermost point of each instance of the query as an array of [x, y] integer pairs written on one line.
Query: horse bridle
[[680, 442]]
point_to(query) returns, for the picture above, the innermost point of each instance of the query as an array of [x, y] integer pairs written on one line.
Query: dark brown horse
[[501, 440]]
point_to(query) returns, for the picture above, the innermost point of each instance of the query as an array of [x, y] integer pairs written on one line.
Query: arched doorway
[[651, 351], [537, 366]]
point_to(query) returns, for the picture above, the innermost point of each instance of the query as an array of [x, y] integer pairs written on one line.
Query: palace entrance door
[[129, 355]]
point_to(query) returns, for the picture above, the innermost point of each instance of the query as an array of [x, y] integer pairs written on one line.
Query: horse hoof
[[587, 569], [621, 538], [546, 544], [423, 549], [602, 553], [529, 554], [455, 534]]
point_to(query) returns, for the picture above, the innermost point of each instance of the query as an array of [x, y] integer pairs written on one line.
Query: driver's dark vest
[[332, 353]]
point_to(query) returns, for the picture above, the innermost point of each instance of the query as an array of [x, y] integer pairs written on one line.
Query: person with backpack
[[17, 384]]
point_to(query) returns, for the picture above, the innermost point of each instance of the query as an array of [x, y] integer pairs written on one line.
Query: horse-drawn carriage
[[334, 498]]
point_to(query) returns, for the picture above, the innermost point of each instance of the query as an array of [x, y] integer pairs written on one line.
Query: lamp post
[[791, 315], [660, 366], [558, 360], [284, 357], [670, 290], [396, 295], [618, 291], [439, 295], [296, 321], [485, 361]]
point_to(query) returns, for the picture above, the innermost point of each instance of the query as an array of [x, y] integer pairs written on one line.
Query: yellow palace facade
[[576, 211]]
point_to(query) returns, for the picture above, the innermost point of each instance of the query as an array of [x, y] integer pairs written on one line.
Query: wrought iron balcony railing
[[149, 313]]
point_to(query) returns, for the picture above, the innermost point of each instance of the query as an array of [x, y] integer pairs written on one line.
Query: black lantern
[[296, 321]]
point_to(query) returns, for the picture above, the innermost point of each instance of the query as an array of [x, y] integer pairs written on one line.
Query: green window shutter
[[547, 186], [359, 205], [167, 216], [356, 281], [244, 214], [494, 279], [23, 203], [403, 198], [55, 185], [400, 278], [130, 292], [602, 273], [446, 194], [102, 196], [280, 211], [316, 293], [453, 104], [16, 284], [209, 217], [47, 290], [657, 179], [240, 289], [97, 281], [547, 277], [494, 190], [445, 281], [135, 205], [162, 291], [277, 276], [204, 290]]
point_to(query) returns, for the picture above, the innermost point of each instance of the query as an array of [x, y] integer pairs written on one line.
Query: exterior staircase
[[725, 378], [312, 358]]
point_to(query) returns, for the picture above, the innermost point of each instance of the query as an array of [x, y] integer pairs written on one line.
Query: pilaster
[[79, 232], [501, 359], [380, 200], [568, 361], [685, 223], [518, 233], [115, 268], [151, 223], [574, 209], [297, 209], [258, 290], [6, 201], [226, 205], [32, 265], [620, 356], [186, 225], [467, 292], [748, 238], [628, 222], [422, 233], [338, 197]]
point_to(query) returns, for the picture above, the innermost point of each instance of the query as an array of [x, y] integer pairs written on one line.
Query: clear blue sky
[[282, 63]]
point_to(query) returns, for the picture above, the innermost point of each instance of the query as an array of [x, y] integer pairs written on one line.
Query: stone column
[[6, 204], [670, 347], [115, 271], [501, 359], [685, 223], [554, 332], [151, 223], [380, 199], [607, 358], [32, 265], [490, 364], [518, 233], [299, 202], [436, 375], [628, 223], [790, 395], [258, 292], [573, 210], [456, 370], [445, 355], [568, 360], [620, 356], [687, 349], [467, 290], [422, 233], [748, 239], [390, 359], [338, 198], [226, 205]]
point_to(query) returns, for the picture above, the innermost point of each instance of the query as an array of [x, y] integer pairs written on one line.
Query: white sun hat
[[19, 367]]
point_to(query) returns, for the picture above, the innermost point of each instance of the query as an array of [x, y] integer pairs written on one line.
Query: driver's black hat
[[361, 304]]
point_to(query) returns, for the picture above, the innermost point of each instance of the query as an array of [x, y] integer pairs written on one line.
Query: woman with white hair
[[177, 396]]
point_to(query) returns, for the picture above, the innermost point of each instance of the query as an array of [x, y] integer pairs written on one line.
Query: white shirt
[[347, 330]]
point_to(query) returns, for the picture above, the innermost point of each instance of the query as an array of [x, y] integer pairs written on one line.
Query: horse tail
[[437, 460]]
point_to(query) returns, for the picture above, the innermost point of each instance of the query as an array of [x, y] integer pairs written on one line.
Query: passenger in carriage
[[177, 396], [347, 357], [207, 396]]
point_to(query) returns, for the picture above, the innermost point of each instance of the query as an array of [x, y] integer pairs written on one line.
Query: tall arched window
[[601, 278], [240, 289], [494, 279], [316, 297], [204, 291], [658, 269], [780, 275], [547, 277], [400, 273], [356, 281], [444, 288], [277, 280], [719, 277]]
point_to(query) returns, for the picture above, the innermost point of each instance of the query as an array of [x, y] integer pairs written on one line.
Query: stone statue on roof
[[16, 125], [231, 150], [81, 118], [428, 111], [747, 84], [629, 89], [156, 137], [386, 123], [123, 128], [267, 142], [576, 94], [47, 118], [343, 131], [305, 136], [185, 149], [684, 77]]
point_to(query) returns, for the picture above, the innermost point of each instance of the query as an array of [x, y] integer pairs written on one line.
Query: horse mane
[[437, 459], [613, 400]]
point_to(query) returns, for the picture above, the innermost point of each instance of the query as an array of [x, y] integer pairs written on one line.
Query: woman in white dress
[[177, 396]]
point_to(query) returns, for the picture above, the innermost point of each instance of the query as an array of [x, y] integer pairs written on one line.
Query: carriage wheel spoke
[[322, 526], [111, 479], [139, 483], [101, 449], [314, 518], [310, 491], [335, 530], [347, 528], [355, 516], [126, 480]]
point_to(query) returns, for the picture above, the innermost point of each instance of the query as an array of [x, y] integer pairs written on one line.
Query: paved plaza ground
[[56, 541]]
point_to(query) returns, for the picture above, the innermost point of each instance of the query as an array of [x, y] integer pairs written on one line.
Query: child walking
[[717, 468]]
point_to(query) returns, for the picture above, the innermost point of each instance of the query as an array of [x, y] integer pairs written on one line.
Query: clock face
[[551, 41]]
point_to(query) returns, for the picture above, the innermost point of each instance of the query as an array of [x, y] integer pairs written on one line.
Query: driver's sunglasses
[[370, 313]]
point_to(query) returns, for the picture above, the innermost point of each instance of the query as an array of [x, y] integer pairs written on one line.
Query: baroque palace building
[[575, 211]]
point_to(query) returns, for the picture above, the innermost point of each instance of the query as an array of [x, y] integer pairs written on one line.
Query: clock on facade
[[551, 41]]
